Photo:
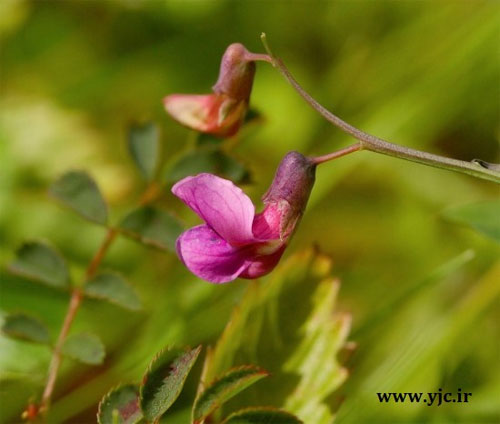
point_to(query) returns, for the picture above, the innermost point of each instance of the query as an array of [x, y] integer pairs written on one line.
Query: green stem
[[476, 168]]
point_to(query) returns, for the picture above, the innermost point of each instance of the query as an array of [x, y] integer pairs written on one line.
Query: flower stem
[[475, 168], [337, 154]]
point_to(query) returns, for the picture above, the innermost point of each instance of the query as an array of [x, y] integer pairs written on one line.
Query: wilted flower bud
[[223, 112], [234, 241]]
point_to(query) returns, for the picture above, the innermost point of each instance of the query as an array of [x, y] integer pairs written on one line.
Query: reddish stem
[[74, 304], [337, 154]]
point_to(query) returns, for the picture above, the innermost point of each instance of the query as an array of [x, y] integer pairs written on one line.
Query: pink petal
[[267, 224], [209, 256], [262, 265], [210, 113], [222, 205], [192, 110]]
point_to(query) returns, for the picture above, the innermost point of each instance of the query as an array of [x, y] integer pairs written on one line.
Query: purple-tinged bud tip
[[291, 187], [236, 73]]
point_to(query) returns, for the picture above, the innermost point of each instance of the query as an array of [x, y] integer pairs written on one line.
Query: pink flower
[[235, 241], [222, 112]]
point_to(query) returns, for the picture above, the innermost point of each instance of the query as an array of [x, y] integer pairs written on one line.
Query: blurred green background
[[423, 291]]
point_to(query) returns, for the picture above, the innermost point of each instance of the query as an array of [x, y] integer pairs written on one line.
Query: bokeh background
[[422, 290]]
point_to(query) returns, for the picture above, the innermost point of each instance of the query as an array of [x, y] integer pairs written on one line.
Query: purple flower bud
[[236, 73], [234, 241], [291, 186]]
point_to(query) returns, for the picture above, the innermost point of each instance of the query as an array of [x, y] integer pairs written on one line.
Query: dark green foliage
[[163, 381], [224, 388], [40, 262], [152, 226], [24, 327], [113, 288], [144, 147], [78, 191], [211, 161], [120, 406], [289, 327]]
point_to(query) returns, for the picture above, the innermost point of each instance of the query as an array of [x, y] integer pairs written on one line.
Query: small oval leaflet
[[78, 191], [114, 289], [120, 406], [84, 347], [144, 147], [152, 226], [224, 388], [25, 327], [163, 381], [40, 262]]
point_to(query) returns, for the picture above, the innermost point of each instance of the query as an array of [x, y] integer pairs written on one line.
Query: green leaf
[[78, 191], [288, 326], [262, 416], [24, 327], [211, 161], [153, 227], [113, 288], [40, 262], [120, 406], [484, 217], [84, 347], [144, 147], [224, 388], [164, 380]]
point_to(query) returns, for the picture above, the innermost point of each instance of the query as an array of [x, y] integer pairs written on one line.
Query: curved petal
[[262, 265], [267, 224], [192, 110], [221, 204], [210, 113], [210, 257]]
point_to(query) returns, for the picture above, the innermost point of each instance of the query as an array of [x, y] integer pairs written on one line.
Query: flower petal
[[222, 205], [267, 224], [262, 265], [192, 110], [209, 256], [211, 113]]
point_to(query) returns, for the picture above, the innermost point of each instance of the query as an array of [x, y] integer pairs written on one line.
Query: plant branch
[[74, 305], [476, 168], [150, 194]]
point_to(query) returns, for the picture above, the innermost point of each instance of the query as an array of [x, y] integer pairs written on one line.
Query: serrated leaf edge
[[196, 351], [264, 409], [258, 371], [108, 394]]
